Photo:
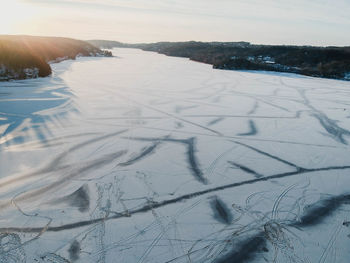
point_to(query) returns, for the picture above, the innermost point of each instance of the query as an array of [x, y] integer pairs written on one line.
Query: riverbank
[[28, 57], [322, 62]]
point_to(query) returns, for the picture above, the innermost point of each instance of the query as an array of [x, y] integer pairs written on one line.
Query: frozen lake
[[148, 158]]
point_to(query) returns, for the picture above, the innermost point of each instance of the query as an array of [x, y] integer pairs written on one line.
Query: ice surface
[[148, 158]]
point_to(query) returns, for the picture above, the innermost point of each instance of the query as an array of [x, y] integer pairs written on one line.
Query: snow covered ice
[[148, 158]]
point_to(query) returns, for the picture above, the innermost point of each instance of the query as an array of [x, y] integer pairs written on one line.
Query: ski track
[[159, 159]]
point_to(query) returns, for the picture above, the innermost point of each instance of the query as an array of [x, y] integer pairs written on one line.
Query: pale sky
[[302, 22]]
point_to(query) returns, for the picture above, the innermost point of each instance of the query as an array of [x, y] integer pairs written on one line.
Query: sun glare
[[14, 14]]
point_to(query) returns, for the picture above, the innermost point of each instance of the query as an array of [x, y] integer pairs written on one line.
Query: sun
[[15, 14]]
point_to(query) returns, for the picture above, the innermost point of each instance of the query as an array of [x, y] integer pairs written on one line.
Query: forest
[[24, 57], [327, 62]]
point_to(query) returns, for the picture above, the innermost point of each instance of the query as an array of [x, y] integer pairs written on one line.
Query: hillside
[[328, 62], [24, 57]]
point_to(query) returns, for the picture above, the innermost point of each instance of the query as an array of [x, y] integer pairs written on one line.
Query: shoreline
[[319, 62], [30, 57]]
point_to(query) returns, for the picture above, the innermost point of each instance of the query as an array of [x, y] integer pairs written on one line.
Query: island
[[24, 57], [326, 62]]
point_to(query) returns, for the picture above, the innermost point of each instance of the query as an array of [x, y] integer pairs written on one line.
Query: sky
[[300, 22]]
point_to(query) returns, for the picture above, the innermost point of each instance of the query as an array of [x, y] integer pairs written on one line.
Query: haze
[[317, 22]]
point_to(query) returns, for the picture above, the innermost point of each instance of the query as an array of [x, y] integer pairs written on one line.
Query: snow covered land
[[148, 158]]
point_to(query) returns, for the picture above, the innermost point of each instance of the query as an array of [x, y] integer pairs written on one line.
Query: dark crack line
[[54, 164], [194, 162], [215, 121], [170, 115], [221, 211], [155, 205], [332, 128], [91, 165], [269, 155], [314, 215], [146, 151], [191, 156], [233, 137], [330, 125], [246, 250], [239, 116], [252, 130], [246, 169], [254, 109]]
